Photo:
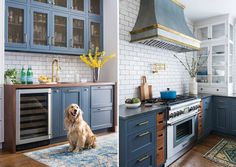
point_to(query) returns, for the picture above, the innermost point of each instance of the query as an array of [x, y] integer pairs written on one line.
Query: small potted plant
[[96, 62]]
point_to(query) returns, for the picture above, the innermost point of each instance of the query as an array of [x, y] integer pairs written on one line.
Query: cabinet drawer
[[145, 160], [160, 116], [101, 96], [160, 139], [160, 155], [1, 109], [200, 117], [160, 125], [140, 142], [141, 123], [101, 118]]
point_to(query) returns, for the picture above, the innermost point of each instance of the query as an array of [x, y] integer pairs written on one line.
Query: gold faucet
[[55, 78]]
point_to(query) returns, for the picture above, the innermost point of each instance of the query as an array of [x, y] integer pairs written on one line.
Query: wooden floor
[[194, 158]]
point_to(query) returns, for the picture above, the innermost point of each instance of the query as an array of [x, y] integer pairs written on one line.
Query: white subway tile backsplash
[[42, 65], [136, 60]]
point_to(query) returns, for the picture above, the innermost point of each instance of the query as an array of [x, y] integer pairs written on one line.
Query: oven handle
[[173, 123]]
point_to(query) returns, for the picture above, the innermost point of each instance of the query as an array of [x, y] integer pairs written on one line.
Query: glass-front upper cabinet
[[78, 5], [60, 3], [95, 35], [202, 33], [40, 29], [203, 75], [218, 31], [78, 34], [60, 37], [16, 26], [95, 7]]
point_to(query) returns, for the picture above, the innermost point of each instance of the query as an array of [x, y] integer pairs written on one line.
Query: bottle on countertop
[[29, 75], [23, 75]]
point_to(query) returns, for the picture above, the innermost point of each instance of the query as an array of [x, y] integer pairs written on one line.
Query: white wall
[[111, 39], [136, 60], [1, 67]]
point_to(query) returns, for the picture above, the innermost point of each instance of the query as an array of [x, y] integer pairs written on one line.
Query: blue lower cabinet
[[233, 121], [56, 113], [85, 104], [138, 138], [101, 118], [145, 160], [207, 116]]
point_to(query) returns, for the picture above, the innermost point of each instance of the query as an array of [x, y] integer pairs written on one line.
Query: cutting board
[[145, 89]]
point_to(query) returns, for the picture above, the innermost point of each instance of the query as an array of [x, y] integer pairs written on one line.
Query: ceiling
[[199, 9]]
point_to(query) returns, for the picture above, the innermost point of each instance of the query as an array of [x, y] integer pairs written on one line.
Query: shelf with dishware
[[217, 47], [59, 26]]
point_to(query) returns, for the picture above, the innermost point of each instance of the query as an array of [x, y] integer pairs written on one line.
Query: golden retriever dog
[[79, 134]]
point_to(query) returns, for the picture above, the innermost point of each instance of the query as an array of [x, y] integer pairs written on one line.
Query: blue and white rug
[[104, 155]]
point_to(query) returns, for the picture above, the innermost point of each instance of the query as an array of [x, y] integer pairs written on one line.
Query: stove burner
[[179, 99]]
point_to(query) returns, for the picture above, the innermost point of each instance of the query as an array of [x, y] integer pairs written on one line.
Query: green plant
[[11, 73]]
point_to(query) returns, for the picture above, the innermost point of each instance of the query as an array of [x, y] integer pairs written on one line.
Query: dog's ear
[[81, 112]]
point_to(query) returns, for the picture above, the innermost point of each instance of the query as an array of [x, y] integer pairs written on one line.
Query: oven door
[[181, 134]]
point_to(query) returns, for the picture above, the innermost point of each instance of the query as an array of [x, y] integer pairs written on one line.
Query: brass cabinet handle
[[143, 123], [144, 134], [143, 158]]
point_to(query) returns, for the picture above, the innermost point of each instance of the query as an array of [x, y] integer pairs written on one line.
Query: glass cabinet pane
[[218, 30], [15, 25], [78, 5], [202, 75], [95, 35], [95, 7], [218, 49], [78, 33], [42, 1], [61, 3], [202, 33], [60, 33], [231, 32], [40, 29]]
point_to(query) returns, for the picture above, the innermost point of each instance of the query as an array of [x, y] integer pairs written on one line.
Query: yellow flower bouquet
[[96, 61]]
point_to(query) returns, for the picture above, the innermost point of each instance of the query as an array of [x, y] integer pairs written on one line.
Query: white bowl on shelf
[[220, 72], [135, 105]]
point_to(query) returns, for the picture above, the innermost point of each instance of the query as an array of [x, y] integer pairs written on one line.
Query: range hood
[[161, 23]]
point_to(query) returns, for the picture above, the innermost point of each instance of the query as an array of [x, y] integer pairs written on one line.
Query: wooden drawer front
[[160, 125], [101, 96], [144, 160], [160, 116], [160, 139], [1, 132], [140, 142], [141, 123], [200, 117], [101, 118], [1, 109], [160, 155]]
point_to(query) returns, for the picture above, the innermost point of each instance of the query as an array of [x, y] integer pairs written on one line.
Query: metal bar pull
[[144, 134], [52, 41], [71, 43], [143, 123], [143, 158], [25, 38], [73, 91]]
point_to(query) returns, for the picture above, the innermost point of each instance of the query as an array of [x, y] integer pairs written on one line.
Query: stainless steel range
[[181, 126]]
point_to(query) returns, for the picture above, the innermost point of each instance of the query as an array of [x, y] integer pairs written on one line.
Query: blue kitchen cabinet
[[101, 107], [85, 104], [207, 116], [40, 29], [67, 27], [57, 112], [138, 137], [16, 36]]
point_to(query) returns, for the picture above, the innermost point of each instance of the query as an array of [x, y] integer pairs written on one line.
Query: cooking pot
[[168, 95]]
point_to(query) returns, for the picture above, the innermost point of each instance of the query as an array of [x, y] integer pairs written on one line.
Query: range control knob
[[171, 115]]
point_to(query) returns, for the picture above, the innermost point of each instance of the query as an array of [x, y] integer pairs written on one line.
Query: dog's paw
[[76, 150], [70, 149]]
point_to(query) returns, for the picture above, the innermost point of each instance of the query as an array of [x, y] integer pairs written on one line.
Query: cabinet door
[[40, 35], [44, 3], [78, 34], [204, 73], [207, 115], [202, 33], [85, 104], [95, 35], [60, 32], [101, 96], [222, 119], [233, 121], [78, 5], [95, 7], [60, 4], [70, 96], [16, 30], [101, 118], [57, 113], [218, 31]]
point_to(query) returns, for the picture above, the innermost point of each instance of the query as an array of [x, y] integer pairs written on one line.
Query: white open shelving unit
[[217, 51]]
